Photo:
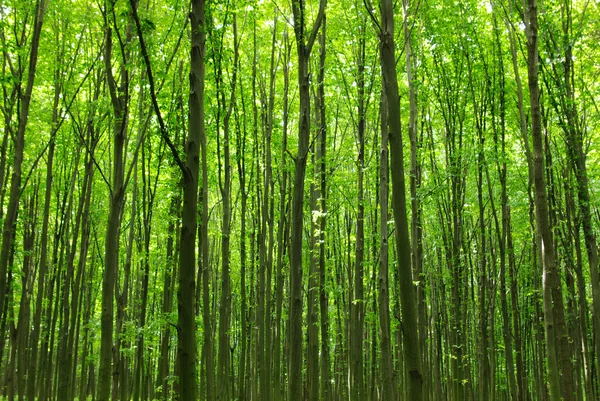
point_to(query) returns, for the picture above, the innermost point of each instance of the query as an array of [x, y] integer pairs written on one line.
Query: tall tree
[[412, 353], [541, 200], [119, 95], [304, 43], [24, 88]]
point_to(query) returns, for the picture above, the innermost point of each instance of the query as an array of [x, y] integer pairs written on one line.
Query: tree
[[304, 46], [412, 351]]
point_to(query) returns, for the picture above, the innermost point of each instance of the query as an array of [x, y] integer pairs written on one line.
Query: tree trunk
[[412, 353], [304, 48], [388, 380], [19, 143], [117, 193], [223, 390], [541, 201], [196, 142], [357, 386], [326, 391]]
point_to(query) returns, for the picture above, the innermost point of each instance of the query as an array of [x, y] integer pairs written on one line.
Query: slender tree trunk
[[541, 200], [357, 385], [326, 390], [10, 218], [223, 390], [119, 98], [312, 340], [415, 183], [577, 156], [43, 260], [167, 305], [412, 353], [388, 380], [196, 143], [282, 231], [304, 46]]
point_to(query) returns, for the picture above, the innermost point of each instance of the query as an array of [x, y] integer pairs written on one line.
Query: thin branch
[[369, 8], [316, 26], [58, 125], [163, 129]]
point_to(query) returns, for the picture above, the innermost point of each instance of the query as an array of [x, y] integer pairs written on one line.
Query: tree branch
[[316, 26], [163, 129]]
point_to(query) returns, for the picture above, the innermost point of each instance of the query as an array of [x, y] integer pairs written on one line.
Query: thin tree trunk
[[195, 143], [357, 386], [304, 46], [412, 352], [282, 232], [541, 200], [326, 391], [43, 260], [223, 390], [119, 98], [10, 218], [388, 380], [167, 304]]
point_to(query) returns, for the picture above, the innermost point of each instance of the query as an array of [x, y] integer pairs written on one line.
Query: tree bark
[[541, 200], [304, 47], [412, 352], [119, 99], [388, 380], [10, 218]]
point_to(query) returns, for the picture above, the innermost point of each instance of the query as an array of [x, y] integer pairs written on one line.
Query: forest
[[300, 200]]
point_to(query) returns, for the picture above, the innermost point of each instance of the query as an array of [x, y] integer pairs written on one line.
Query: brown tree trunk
[[282, 232], [321, 193], [304, 46], [167, 303], [412, 352], [119, 99], [357, 306], [10, 218], [541, 202], [388, 380], [223, 390], [195, 143]]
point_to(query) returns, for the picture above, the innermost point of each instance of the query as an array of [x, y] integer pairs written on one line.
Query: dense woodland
[[300, 200]]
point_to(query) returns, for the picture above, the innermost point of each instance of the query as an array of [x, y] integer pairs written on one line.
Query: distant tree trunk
[[541, 200], [62, 222], [412, 353], [72, 284], [529, 159], [241, 164], [167, 303], [282, 231], [119, 98], [43, 260], [223, 390], [147, 208], [484, 363], [415, 183], [12, 208], [357, 385], [388, 380], [321, 192], [304, 46], [312, 332], [196, 142], [522, 376], [573, 129], [120, 360], [265, 233], [27, 280]]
